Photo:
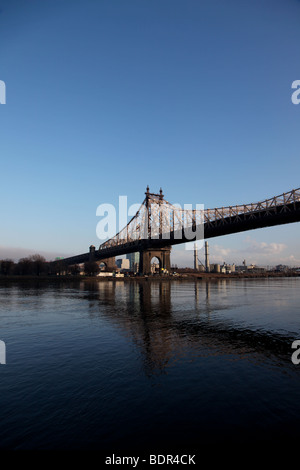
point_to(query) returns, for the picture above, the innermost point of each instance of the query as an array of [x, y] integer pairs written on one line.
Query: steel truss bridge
[[158, 225]]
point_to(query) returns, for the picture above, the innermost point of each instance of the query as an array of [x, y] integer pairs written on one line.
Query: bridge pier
[[110, 263], [162, 254]]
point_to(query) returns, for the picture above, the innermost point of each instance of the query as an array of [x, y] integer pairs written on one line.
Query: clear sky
[[104, 97]]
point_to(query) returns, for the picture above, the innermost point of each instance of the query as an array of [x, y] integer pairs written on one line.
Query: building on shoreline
[[123, 263], [134, 261]]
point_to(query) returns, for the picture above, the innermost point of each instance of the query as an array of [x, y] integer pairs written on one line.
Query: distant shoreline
[[181, 277]]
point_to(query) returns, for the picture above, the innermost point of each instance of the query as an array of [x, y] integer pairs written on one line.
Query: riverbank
[[188, 276]]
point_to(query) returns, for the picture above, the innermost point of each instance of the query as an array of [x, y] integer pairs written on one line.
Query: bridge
[[158, 225]]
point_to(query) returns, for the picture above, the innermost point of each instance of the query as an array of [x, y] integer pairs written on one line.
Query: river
[[156, 365]]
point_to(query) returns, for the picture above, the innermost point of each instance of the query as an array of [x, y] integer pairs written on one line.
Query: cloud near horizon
[[259, 253], [251, 250], [265, 248]]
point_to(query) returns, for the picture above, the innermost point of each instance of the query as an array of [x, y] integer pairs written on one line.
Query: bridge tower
[[162, 254]]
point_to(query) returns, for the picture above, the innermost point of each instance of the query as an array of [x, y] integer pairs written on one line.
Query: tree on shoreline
[[6, 267], [33, 265]]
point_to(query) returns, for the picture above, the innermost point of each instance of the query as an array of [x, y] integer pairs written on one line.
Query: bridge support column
[[110, 263], [162, 254]]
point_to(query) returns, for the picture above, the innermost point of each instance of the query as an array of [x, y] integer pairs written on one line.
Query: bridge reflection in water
[[194, 326]]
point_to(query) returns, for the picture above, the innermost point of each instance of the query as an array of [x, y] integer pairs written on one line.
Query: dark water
[[151, 365]]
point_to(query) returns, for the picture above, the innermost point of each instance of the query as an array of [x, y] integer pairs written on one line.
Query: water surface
[[150, 365]]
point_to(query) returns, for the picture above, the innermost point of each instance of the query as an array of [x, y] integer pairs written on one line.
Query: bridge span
[[158, 225]]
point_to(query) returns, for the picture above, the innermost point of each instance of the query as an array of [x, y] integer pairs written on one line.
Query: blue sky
[[105, 97]]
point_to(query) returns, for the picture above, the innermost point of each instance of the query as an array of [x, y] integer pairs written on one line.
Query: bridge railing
[[282, 200]]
